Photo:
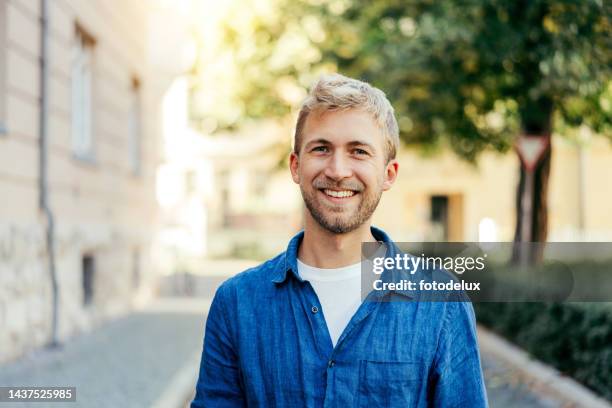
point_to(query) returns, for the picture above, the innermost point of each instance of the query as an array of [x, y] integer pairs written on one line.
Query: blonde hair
[[338, 92]]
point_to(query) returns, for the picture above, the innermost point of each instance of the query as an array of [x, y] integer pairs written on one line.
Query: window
[[135, 128], [446, 218], [2, 67], [87, 271], [439, 217], [82, 127]]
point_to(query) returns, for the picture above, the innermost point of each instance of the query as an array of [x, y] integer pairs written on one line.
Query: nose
[[338, 167]]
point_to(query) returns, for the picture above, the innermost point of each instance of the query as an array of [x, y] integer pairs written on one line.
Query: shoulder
[[459, 322], [254, 279]]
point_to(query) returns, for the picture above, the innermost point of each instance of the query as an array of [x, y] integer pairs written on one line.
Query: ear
[[390, 174], [293, 166]]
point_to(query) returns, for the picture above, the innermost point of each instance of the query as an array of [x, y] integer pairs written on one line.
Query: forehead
[[343, 126]]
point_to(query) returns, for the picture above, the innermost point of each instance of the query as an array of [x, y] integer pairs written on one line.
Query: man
[[293, 332]]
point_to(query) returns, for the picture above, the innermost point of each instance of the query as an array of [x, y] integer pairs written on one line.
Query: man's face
[[342, 168]]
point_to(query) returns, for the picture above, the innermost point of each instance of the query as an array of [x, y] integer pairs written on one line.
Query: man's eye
[[320, 149], [361, 152]]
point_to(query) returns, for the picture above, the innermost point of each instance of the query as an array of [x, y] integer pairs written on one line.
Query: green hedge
[[576, 338]]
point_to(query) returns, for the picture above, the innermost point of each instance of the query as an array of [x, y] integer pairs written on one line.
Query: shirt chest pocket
[[389, 384]]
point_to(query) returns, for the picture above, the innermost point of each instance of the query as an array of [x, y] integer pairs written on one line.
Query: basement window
[[88, 272]]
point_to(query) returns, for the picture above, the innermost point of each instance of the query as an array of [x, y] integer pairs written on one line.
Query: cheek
[[370, 173], [310, 170]]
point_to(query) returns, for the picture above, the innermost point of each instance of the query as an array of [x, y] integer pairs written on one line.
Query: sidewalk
[[130, 362], [514, 378], [507, 387]]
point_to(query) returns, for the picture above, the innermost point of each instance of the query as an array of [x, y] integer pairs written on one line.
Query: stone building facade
[[103, 131]]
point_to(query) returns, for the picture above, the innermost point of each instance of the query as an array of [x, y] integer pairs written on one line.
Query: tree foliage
[[476, 73], [473, 73]]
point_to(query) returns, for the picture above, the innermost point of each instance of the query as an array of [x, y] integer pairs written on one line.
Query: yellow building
[[443, 198]]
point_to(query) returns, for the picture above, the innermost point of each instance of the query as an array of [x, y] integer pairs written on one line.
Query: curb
[[549, 379], [180, 390]]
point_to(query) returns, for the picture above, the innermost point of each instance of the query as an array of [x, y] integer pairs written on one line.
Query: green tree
[[477, 74], [472, 75]]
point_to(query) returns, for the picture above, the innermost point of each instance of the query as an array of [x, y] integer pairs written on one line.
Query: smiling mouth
[[338, 193]]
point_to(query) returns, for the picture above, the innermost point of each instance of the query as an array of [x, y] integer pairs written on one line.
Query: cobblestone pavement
[[125, 363], [130, 362]]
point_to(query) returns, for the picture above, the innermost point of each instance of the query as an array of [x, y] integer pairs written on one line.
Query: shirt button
[[314, 309], [331, 363]]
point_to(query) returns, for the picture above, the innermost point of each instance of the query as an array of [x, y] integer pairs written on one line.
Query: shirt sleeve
[[457, 376], [219, 382]]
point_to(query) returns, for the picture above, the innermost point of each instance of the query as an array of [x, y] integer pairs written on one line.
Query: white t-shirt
[[338, 290]]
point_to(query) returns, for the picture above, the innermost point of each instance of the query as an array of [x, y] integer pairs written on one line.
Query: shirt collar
[[290, 261]]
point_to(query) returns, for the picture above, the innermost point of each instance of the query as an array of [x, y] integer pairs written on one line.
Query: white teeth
[[339, 194]]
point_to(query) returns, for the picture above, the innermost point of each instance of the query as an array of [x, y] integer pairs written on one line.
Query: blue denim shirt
[[266, 344]]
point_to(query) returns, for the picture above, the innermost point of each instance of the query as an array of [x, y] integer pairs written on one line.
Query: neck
[[324, 249]]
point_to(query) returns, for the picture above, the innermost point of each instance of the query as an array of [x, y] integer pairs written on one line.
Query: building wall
[[101, 207], [488, 190]]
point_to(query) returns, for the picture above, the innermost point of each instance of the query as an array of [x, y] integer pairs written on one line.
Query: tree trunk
[[538, 224], [536, 118], [539, 219]]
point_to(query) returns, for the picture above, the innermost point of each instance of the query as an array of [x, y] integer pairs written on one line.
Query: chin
[[339, 225], [341, 228]]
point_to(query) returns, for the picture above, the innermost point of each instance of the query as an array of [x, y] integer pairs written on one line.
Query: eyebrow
[[362, 143], [352, 144], [317, 141]]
